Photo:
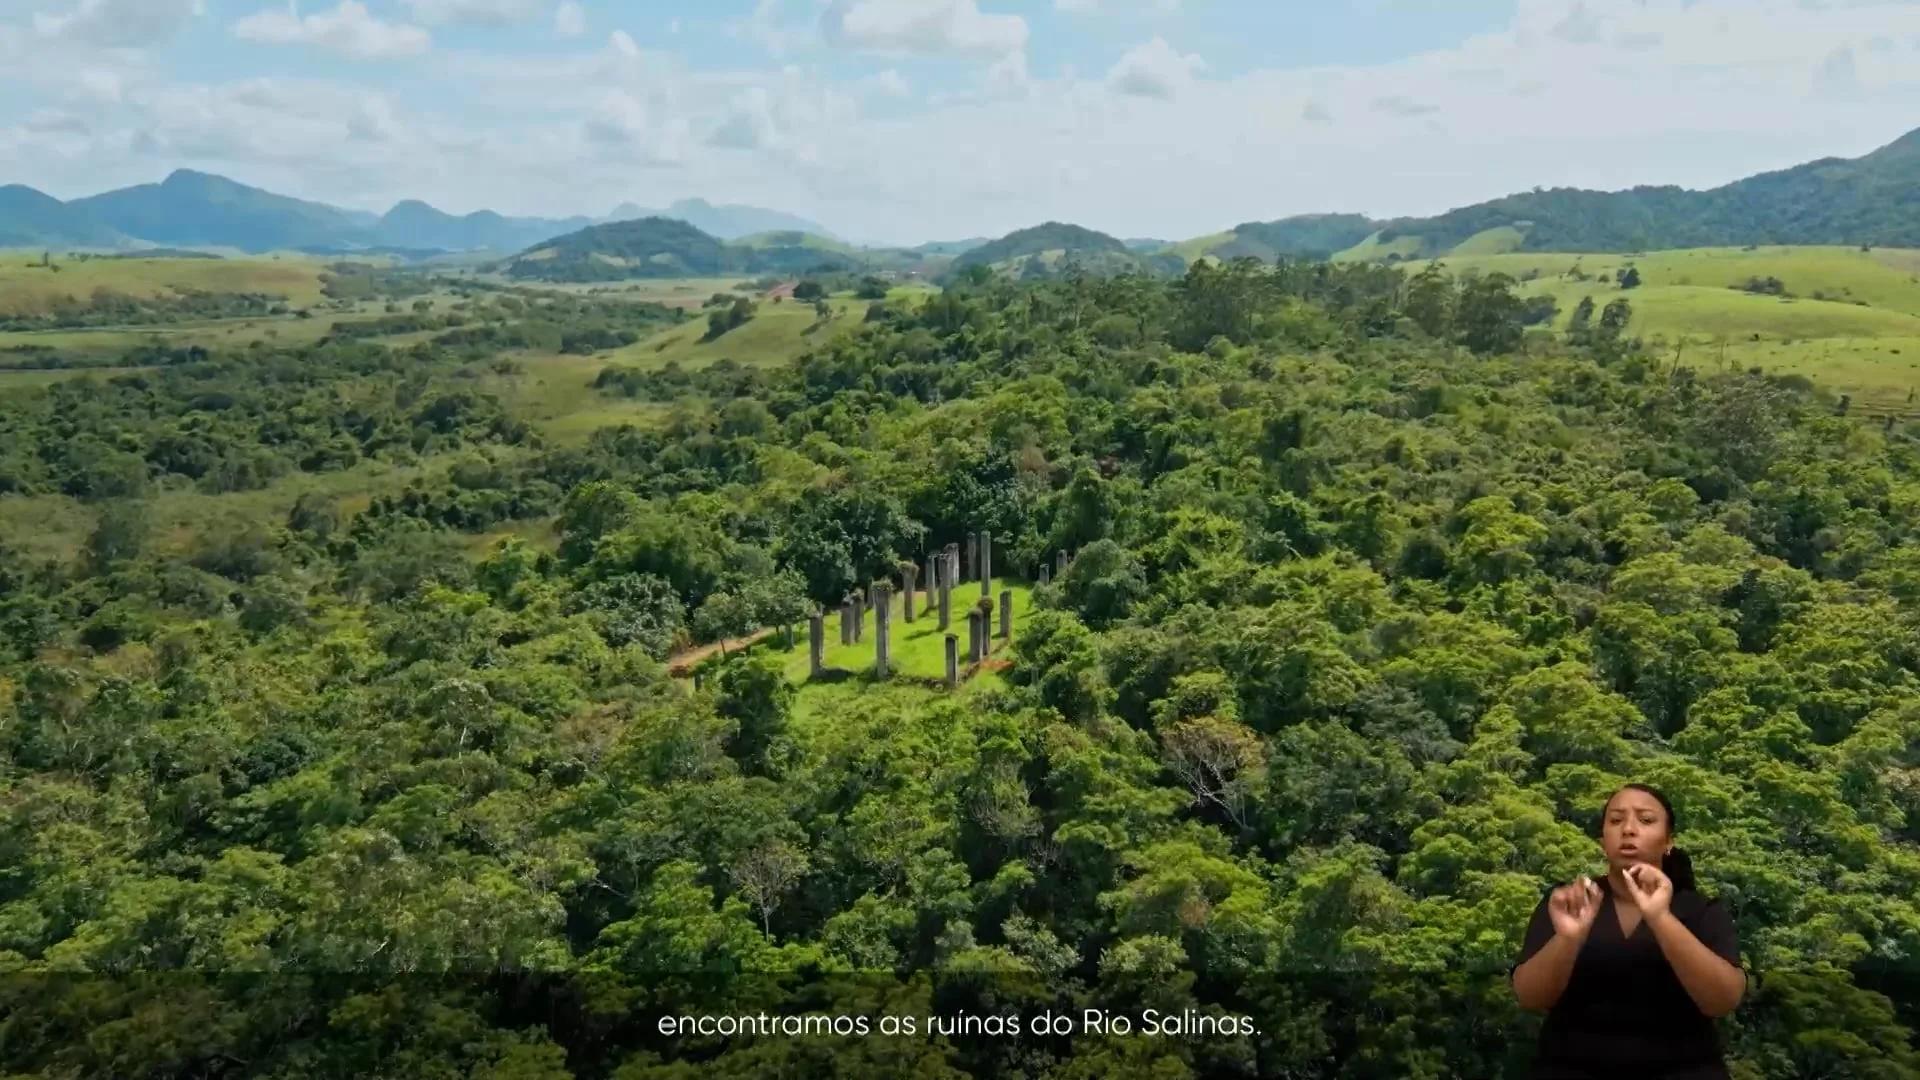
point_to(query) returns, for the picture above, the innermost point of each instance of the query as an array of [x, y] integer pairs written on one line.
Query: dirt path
[[679, 664]]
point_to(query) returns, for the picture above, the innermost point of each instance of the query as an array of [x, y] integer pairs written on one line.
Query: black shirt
[[1624, 1008]]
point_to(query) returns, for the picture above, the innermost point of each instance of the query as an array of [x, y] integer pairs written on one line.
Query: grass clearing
[[1374, 248], [27, 289], [1884, 278], [919, 647], [555, 393], [17, 378], [1862, 340], [776, 334], [57, 525]]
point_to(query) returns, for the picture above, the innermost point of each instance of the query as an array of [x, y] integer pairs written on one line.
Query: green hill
[[648, 247], [1046, 250], [1315, 236], [789, 238], [1867, 200], [29, 218], [662, 247]]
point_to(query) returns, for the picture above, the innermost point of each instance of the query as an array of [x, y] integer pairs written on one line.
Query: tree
[[809, 291], [1430, 301], [755, 695], [1220, 761], [1629, 278], [1580, 323], [120, 534], [1489, 317], [632, 609], [766, 874], [724, 319], [1613, 322]]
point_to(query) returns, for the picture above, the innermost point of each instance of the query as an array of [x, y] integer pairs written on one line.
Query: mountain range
[[1873, 199], [196, 209]]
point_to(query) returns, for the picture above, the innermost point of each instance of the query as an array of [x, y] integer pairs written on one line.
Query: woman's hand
[[1573, 907], [1650, 888]]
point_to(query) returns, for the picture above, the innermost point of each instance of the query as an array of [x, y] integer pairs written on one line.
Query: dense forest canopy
[[1374, 596]]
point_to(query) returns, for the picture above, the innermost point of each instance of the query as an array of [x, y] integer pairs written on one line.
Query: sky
[[903, 121]]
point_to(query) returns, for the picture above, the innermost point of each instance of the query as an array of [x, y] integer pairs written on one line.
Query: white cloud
[[57, 122], [891, 83], [373, 121], [119, 23], [474, 12], [750, 126], [923, 27], [625, 128], [102, 86], [347, 29], [1154, 70], [1110, 7], [1396, 105], [1008, 76], [766, 29], [569, 19], [1699, 92]]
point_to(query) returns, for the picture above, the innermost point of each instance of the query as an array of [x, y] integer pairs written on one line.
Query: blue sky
[[908, 120]]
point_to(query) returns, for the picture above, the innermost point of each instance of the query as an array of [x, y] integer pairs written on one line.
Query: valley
[[410, 652]]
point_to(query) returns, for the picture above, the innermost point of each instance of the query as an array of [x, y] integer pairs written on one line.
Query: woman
[[1632, 975]]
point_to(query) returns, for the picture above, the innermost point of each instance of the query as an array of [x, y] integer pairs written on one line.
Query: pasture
[[776, 334], [26, 287], [1851, 322]]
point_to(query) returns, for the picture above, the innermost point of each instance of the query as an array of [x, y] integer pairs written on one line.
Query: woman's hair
[[1676, 864]]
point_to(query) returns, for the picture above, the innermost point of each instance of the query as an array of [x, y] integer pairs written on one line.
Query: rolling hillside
[[1048, 249], [200, 210], [30, 218], [659, 247], [1303, 236], [1867, 200]]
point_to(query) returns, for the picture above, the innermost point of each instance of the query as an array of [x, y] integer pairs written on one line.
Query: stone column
[[1006, 615], [933, 580], [1046, 574], [911, 573], [846, 621], [817, 642], [882, 629], [973, 637], [946, 592], [973, 556], [1060, 561], [859, 617], [986, 563], [953, 662]]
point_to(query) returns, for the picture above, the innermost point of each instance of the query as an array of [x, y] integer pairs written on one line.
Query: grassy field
[[12, 379], [1885, 279], [674, 292], [777, 333], [26, 289], [1852, 324], [919, 650], [1373, 248], [56, 525], [556, 395]]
